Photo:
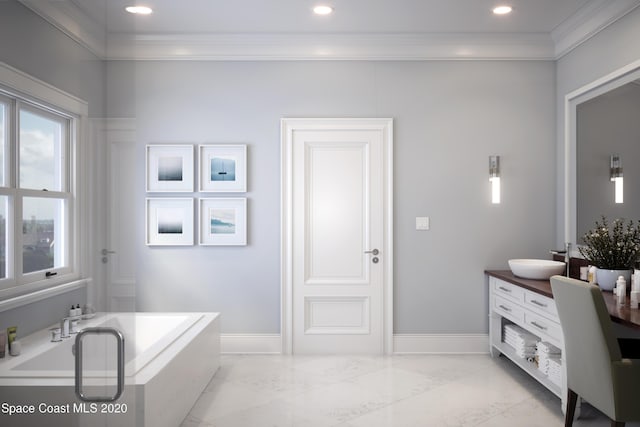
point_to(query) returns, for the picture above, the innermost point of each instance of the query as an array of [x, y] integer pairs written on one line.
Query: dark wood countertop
[[621, 314]]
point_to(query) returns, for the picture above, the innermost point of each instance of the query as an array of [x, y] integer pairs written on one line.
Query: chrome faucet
[[567, 257], [66, 325]]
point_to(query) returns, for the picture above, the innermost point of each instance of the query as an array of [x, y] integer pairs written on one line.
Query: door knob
[[373, 252], [104, 253]]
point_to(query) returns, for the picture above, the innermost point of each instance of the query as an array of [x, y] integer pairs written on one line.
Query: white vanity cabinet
[[531, 310]]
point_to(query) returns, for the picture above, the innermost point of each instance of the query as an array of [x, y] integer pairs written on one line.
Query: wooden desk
[[619, 314]]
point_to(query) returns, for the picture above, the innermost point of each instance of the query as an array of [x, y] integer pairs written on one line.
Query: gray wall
[[608, 124], [33, 46], [449, 117], [612, 48]]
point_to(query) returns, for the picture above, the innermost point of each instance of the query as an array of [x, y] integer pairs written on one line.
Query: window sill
[[40, 295]]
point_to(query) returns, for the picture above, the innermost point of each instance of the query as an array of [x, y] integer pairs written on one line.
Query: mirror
[[607, 125], [602, 119]]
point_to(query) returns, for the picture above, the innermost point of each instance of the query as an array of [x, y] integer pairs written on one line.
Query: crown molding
[[589, 21], [392, 46], [71, 20]]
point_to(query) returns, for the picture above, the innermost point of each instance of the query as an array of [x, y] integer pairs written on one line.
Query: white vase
[[606, 279]]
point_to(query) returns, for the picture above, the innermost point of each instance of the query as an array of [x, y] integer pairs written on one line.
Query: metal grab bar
[[120, 369]]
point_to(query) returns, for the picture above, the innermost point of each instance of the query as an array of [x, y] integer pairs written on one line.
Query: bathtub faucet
[[69, 324], [65, 326]]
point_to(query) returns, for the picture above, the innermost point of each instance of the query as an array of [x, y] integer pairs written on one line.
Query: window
[[36, 194], [42, 138]]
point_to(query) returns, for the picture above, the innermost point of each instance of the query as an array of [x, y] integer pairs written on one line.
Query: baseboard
[[402, 343], [250, 344], [440, 343]]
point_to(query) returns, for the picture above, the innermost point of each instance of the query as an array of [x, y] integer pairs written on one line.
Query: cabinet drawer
[[505, 289], [508, 309], [542, 326], [540, 303]]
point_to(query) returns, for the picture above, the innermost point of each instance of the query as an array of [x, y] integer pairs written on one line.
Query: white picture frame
[[222, 168], [169, 168], [223, 222], [169, 221]]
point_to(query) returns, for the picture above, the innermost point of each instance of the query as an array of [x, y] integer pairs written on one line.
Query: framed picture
[[223, 168], [223, 222], [169, 222], [169, 168]]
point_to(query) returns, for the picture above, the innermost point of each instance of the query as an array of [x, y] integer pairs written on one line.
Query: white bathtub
[[169, 359]]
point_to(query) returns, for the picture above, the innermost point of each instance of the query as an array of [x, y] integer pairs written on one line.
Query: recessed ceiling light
[[322, 10], [502, 10], [139, 10]]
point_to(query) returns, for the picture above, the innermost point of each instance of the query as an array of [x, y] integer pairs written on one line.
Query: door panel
[[332, 315], [338, 215], [336, 201]]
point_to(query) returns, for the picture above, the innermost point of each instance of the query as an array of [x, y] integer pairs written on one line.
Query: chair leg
[[617, 423], [572, 399]]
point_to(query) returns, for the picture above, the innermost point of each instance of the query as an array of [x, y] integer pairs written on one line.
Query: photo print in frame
[[223, 168], [223, 222], [169, 222], [169, 168]]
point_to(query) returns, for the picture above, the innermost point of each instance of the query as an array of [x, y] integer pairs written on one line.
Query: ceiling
[[351, 16], [358, 29]]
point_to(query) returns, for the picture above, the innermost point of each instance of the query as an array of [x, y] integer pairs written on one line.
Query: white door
[[340, 241], [114, 213], [118, 254]]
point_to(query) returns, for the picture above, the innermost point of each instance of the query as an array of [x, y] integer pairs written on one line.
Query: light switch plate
[[422, 223]]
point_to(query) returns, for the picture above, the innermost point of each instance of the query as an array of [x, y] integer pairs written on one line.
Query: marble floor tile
[[395, 384], [341, 368], [282, 383], [338, 402], [465, 401], [276, 413], [222, 398], [395, 391], [239, 366]]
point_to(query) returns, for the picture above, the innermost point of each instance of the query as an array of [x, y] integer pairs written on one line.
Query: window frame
[[8, 103], [17, 282]]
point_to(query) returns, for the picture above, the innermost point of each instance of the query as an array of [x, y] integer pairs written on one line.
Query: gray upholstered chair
[[596, 369]]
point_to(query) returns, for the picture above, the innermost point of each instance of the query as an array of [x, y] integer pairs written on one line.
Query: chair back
[[589, 341]]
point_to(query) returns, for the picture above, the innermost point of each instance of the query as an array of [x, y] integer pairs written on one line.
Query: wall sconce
[[615, 173], [494, 178]]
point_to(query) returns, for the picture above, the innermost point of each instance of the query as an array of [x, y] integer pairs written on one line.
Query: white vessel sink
[[539, 269]]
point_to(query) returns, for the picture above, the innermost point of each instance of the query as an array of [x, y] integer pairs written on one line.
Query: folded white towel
[[520, 333], [520, 341], [545, 347]]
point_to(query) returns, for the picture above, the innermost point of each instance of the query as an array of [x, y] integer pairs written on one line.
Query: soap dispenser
[[621, 289]]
